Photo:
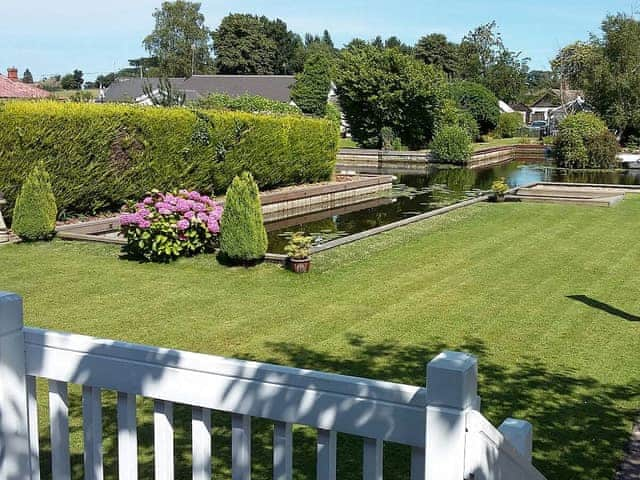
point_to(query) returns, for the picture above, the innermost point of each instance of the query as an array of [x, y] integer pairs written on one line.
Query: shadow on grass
[[605, 307], [580, 424]]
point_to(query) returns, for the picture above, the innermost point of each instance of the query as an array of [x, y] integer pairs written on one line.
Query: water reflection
[[419, 191]]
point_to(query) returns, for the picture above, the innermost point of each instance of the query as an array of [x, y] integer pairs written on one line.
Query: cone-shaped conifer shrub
[[35, 212], [243, 238]]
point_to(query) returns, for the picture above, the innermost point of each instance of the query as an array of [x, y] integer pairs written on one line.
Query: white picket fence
[[449, 438]]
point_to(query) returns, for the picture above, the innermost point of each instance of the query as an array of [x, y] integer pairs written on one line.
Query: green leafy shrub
[[35, 209], [246, 103], [332, 114], [452, 144], [499, 186], [479, 101], [583, 141], [387, 137], [450, 114], [243, 237], [165, 226], [509, 125], [100, 156], [299, 247], [603, 149]]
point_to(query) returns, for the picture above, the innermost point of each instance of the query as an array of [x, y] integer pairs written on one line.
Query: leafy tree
[[51, 84], [249, 44], [386, 88], [327, 40], [395, 42], [542, 80], [72, 81], [27, 77], [242, 46], [479, 101], [435, 49], [180, 39], [509, 125], [485, 59], [507, 77], [243, 238], [143, 66], [574, 62], [288, 46], [35, 211], [312, 85]]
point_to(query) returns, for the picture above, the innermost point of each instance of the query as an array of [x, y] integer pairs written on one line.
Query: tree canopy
[[180, 40], [381, 88], [435, 49]]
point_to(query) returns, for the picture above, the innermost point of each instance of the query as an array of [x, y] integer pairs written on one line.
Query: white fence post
[[452, 386], [519, 433], [15, 455]]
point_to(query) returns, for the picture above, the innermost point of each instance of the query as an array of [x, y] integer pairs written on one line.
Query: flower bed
[[165, 226]]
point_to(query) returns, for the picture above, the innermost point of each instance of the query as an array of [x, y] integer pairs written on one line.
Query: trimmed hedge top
[[101, 155]]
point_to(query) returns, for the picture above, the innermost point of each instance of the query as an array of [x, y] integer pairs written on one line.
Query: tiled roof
[[17, 89], [275, 87]]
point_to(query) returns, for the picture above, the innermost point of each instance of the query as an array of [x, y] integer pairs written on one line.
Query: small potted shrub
[[499, 189], [299, 252]]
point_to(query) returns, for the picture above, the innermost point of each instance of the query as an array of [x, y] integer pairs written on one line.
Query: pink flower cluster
[[182, 210]]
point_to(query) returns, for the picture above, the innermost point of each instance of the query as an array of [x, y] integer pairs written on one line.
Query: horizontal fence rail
[[449, 438]]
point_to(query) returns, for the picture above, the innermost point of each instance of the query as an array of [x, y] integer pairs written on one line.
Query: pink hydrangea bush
[[165, 226]]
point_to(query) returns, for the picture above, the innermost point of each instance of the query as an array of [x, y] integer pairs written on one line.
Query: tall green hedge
[[101, 155]]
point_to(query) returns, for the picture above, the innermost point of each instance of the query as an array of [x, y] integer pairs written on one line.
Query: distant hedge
[[101, 155]]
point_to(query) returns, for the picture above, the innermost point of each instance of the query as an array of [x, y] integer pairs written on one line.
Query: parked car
[[539, 128]]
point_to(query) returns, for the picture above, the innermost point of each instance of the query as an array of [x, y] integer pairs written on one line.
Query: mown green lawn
[[547, 297]]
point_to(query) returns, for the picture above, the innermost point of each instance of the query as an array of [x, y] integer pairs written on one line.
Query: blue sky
[[57, 36]]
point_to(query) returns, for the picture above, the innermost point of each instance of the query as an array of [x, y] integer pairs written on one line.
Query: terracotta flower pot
[[299, 265]]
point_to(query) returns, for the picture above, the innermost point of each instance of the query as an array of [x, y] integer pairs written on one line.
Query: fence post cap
[[452, 380], [519, 433], [10, 312]]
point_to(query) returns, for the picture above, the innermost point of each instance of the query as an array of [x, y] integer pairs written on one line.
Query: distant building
[[551, 100], [12, 87], [274, 87]]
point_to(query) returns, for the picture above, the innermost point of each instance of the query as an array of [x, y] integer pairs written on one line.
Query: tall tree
[[288, 46], [435, 49], [485, 59], [180, 39], [27, 77], [384, 88], [243, 46], [312, 85], [72, 81], [608, 71]]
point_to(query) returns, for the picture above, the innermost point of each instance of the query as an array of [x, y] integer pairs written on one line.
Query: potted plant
[[299, 252], [499, 189]]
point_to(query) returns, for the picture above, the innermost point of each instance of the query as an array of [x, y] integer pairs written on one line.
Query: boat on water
[[629, 160]]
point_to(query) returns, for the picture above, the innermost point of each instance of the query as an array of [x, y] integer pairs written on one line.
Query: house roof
[[519, 107], [555, 97], [275, 87], [17, 89]]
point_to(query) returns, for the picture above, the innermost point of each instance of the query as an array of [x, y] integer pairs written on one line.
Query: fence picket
[[92, 428], [32, 414], [163, 439], [59, 422], [240, 447], [372, 459], [201, 443], [326, 461], [282, 451], [417, 463], [127, 437]]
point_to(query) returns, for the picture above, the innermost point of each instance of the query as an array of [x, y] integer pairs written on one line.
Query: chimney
[[12, 73]]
